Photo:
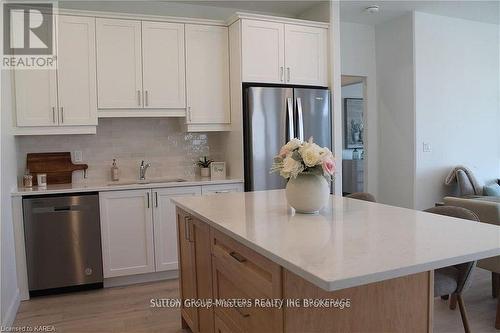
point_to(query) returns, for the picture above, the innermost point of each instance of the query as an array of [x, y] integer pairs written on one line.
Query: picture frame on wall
[[218, 170], [353, 123]]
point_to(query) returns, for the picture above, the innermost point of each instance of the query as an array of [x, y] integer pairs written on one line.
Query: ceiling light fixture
[[374, 9]]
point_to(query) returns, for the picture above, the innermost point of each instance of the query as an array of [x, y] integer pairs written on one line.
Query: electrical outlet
[[77, 156], [426, 147]]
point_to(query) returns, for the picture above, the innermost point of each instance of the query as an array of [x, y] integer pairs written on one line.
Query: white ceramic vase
[[307, 193], [205, 172]]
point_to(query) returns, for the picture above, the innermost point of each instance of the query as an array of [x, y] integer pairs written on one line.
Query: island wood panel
[[195, 271], [402, 304]]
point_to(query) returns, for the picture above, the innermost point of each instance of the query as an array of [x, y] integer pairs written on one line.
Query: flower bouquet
[[309, 169]]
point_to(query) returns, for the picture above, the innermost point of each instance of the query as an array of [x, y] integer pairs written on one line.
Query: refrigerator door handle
[[300, 119], [290, 125]]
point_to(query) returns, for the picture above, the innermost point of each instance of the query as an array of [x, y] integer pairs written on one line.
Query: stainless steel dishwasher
[[63, 243]]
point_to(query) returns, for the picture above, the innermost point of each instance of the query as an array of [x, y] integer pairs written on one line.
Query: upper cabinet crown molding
[[285, 20]]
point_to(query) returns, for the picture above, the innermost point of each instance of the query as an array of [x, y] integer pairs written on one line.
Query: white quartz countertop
[[119, 185], [351, 242]]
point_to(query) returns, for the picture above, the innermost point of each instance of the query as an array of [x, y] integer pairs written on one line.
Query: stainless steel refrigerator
[[274, 115]]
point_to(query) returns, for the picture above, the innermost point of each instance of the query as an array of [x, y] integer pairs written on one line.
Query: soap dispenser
[[115, 171]]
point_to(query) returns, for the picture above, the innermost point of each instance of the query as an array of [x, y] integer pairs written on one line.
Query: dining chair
[[362, 196], [454, 280]]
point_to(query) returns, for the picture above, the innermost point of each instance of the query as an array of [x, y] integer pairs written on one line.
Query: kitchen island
[[357, 266]]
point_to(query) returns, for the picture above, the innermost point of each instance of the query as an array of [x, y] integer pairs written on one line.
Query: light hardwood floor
[[127, 309]]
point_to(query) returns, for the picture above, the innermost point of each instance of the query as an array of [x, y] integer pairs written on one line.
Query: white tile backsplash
[[159, 141]]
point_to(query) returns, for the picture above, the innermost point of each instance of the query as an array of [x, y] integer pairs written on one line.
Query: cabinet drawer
[[258, 276], [221, 188], [243, 317]]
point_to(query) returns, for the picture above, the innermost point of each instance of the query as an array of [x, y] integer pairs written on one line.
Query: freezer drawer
[[63, 241]]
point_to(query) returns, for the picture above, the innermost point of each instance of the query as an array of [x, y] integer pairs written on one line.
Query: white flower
[[311, 154], [291, 168], [292, 144]]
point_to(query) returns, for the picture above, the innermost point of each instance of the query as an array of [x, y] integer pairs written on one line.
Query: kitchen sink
[[148, 181]]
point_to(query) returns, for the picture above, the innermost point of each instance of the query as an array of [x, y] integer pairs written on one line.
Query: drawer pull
[[237, 256], [241, 313]]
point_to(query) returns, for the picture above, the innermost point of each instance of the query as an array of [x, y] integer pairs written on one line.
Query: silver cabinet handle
[[54, 114], [62, 115], [147, 198], [281, 73], [300, 119], [156, 199], [290, 126], [288, 73], [225, 191], [189, 113], [139, 97], [146, 97]]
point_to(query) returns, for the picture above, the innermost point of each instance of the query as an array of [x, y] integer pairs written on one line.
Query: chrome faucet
[[142, 170]]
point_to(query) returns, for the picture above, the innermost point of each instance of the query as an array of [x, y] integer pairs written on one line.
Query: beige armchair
[[488, 211]]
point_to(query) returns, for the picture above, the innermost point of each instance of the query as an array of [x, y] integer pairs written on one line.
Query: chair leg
[[497, 319], [463, 313], [453, 301], [495, 279], [445, 297]]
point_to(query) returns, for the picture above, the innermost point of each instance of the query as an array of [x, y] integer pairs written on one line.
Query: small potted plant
[[204, 164]]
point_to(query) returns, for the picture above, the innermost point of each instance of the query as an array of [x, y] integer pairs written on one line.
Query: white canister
[[41, 179]]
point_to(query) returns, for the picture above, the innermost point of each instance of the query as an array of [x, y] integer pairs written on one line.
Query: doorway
[[354, 134]]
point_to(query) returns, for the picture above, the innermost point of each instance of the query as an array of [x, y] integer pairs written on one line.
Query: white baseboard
[[10, 314], [140, 278]]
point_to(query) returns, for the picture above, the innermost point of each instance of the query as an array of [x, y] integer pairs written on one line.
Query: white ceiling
[[483, 11], [290, 8]]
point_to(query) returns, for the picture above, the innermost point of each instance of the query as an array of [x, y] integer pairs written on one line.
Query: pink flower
[[328, 166], [283, 152]]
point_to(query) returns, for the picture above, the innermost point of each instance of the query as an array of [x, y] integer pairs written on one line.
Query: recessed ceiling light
[[374, 9]]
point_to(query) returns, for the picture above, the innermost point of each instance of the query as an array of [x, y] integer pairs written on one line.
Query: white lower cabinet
[[165, 226], [126, 232]]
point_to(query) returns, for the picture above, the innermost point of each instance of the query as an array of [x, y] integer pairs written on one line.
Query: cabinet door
[[36, 97], [306, 55], [165, 226], [119, 73], [187, 270], [126, 232], [263, 54], [163, 65], [76, 71], [207, 74]]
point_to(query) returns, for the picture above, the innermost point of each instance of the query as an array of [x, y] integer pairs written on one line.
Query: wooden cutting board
[[58, 166]]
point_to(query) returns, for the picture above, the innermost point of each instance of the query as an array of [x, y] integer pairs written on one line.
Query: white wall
[[9, 290], [357, 43], [457, 101], [394, 58]]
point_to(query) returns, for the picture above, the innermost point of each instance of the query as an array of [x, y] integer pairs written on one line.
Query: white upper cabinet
[[306, 55], [76, 71], [163, 65], [207, 74], [119, 63], [61, 100], [165, 225], [263, 51], [275, 52], [36, 97]]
